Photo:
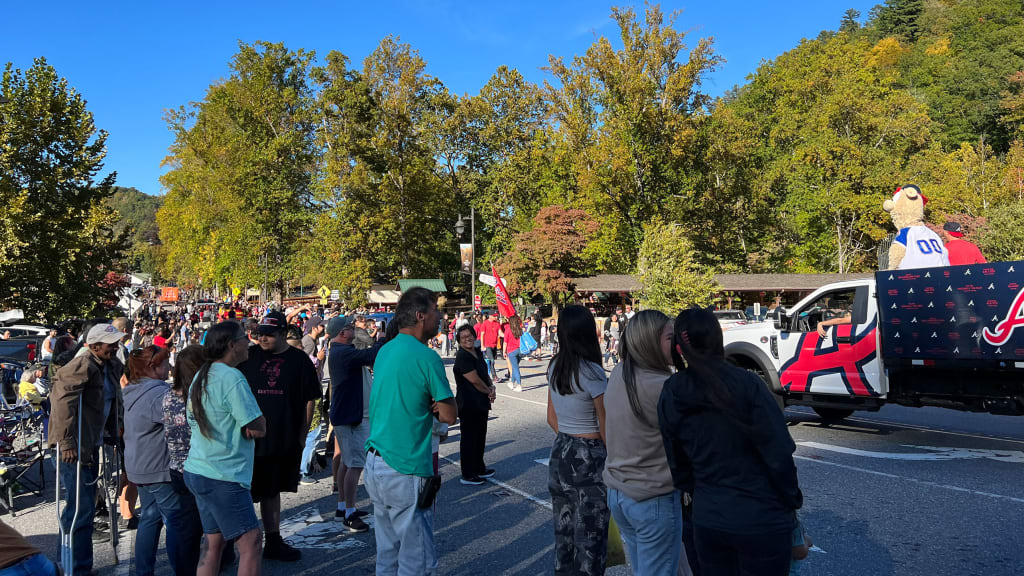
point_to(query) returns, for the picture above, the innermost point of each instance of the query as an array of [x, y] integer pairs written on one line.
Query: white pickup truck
[[951, 337]]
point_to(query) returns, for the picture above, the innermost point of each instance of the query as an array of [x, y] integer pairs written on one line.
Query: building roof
[[728, 282], [432, 284], [750, 282], [608, 283]]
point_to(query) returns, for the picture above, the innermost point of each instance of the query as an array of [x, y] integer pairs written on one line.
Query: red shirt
[[963, 252], [511, 342], [489, 334]]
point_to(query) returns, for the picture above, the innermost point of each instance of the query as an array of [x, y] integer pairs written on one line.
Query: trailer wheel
[[833, 414]]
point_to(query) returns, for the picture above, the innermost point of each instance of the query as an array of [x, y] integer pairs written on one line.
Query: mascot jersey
[[924, 248]]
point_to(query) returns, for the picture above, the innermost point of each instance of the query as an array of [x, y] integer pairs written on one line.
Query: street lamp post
[[460, 227]]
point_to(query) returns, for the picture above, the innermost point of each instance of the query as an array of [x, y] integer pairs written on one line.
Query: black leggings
[[726, 554]]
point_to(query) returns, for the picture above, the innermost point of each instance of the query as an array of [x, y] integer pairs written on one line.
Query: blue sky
[[133, 60]]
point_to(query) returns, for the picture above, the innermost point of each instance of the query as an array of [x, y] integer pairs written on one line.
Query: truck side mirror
[[779, 318]]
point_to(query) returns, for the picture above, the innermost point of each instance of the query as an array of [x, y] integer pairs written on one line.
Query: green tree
[[899, 18], [628, 119], [1003, 237], [242, 161], [672, 278], [850, 21], [57, 237]]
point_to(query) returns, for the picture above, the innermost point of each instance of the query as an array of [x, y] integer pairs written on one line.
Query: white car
[[730, 318], [25, 330]]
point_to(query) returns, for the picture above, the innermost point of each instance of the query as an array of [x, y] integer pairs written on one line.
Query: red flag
[[505, 307]]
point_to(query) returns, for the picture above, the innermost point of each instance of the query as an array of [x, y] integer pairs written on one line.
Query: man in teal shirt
[[410, 387]]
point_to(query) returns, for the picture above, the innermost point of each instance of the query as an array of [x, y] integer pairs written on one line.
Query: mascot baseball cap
[[954, 229]]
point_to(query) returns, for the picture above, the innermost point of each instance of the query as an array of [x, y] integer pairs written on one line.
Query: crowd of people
[[689, 456]]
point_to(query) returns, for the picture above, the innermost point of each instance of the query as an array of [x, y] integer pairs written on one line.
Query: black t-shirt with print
[[282, 384]]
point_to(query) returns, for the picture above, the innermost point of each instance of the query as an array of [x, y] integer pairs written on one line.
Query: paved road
[[901, 491]]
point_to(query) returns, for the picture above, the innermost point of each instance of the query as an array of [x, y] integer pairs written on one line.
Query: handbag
[[526, 343]]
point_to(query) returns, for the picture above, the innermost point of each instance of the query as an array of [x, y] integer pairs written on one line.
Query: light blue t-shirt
[[228, 402]]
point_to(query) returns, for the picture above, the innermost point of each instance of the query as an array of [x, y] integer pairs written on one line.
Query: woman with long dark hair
[[727, 444], [474, 394], [579, 498], [642, 498], [225, 419], [513, 330]]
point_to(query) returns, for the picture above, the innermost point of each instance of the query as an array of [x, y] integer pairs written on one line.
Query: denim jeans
[[652, 530], [405, 533], [85, 495], [34, 565], [513, 362], [312, 439], [164, 504]]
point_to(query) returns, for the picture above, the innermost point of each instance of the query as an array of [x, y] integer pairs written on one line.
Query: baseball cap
[[272, 323], [954, 229], [105, 333], [337, 324], [312, 324]]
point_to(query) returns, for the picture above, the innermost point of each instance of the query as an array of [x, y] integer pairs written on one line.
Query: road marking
[[914, 480], [936, 453], [544, 404], [512, 489], [893, 424], [543, 461]]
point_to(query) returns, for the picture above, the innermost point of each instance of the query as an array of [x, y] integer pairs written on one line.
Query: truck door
[[831, 345]]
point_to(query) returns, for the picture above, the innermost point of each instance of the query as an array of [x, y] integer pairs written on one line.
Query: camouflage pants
[[580, 501]]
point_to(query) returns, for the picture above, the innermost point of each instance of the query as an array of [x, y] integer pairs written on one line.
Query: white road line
[[512, 489], [914, 480], [893, 424], [543, 461], [544, 404], [936, 453]]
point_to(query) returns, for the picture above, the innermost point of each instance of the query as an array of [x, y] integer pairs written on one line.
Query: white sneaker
[[518, 388], [510, 385]]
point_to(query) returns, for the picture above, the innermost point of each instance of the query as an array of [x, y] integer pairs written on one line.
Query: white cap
[[105, 333]]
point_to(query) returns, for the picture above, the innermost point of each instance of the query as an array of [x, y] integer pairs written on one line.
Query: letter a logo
[[1004, 329]]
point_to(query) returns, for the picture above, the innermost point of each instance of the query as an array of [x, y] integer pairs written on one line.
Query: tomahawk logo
[[813, 359], [1004, 329]]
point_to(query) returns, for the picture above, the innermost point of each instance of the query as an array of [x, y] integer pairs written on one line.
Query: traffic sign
[[476, 302], [335, 295], [324, 292]]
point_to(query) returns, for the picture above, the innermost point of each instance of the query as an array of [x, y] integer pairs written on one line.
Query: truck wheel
[[750, 365], [833, 414]]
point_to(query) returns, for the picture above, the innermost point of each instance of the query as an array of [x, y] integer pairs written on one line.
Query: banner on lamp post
[[466, 252]]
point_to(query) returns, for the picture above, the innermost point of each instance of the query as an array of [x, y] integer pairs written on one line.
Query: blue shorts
[[225, 508]]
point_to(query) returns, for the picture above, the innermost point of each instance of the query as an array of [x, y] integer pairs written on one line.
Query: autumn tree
[[545, 259], [57, 239]]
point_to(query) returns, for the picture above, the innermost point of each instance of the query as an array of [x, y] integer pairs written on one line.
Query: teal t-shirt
[[229, 404], [407, 377]]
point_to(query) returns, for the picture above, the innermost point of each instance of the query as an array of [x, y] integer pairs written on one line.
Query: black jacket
[[738, 466]]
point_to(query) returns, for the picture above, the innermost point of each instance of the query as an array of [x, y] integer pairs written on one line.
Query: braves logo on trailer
[[814, 360], [1004, 329]]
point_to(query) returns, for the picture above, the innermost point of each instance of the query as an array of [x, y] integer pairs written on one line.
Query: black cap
[[273, 323], [954, 229]]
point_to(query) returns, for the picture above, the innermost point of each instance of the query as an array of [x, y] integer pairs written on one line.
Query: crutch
[[67, 541]]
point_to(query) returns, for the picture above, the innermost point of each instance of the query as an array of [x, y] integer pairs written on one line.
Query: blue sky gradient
[[133, 60]]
